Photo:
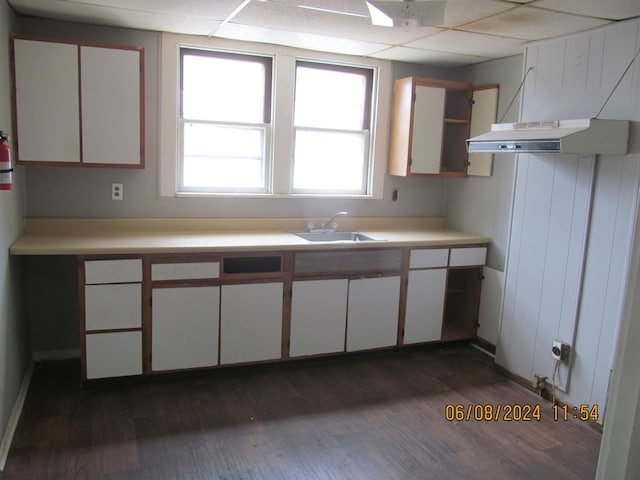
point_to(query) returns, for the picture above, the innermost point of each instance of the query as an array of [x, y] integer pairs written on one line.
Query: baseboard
[[484, 346], [547, 396], [56, 355], [16, 411]]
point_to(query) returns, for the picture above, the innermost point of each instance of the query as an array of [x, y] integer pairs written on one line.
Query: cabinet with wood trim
[[185, 311], [111, 322], [426, 288], [430, 122], [157, 313], [67, 95], [443, 294], [348, 300], [463, 293], [251, 308]]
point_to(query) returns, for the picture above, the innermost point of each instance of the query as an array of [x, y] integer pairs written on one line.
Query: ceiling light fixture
[[406, 13]]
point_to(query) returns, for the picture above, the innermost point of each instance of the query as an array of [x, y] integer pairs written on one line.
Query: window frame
[[281, 148], [369, 74]]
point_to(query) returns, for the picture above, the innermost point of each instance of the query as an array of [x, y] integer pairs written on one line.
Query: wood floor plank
[[368, 416]]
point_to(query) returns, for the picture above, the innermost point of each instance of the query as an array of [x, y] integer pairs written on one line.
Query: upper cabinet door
[[483, 114], [428, 122], [78, 105], [429, 126], [46, 101], [110, 98]]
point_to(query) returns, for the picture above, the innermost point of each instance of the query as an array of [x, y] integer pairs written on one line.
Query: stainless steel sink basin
[[335, 236]]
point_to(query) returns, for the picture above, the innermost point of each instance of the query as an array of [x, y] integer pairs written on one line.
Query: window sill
[[264, 196]]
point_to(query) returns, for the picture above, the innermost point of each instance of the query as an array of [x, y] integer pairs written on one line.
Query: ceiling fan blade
[[414, 13]]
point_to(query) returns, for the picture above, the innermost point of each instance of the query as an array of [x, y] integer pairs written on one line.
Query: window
[[225, 112], [332, 121], [246, 119]]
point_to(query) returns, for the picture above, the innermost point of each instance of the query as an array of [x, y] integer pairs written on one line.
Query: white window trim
[[282, 114]]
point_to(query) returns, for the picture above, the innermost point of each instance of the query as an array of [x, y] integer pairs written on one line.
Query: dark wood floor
[[375, 416]]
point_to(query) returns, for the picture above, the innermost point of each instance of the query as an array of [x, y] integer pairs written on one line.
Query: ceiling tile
[[439, 59], [611, 9], [459, 12], [531, 23], [299, 40], [281, 16], [468, 43], [354, 7], [130, 17], [218, 10]]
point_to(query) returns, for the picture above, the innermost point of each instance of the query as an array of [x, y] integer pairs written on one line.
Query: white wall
[[14, 352], [573, 217]]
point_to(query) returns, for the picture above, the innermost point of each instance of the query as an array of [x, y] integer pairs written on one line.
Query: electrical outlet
[[117, 191], [560, 350]]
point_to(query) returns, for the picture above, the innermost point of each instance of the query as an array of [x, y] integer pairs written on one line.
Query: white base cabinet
[[425, 305], [112, 320], [251, 322], [318, 316], [185, 323], [372, 320]]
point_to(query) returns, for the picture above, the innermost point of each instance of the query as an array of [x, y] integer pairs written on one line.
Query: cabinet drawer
[[111, 307], [468, 256], [428, 258], [113, 354], [112, 271], [185, 271]]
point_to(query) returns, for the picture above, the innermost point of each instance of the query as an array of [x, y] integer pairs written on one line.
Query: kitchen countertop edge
[[94, 237]]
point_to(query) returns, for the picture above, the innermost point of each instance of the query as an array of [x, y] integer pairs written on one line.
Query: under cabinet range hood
[[582, 136]]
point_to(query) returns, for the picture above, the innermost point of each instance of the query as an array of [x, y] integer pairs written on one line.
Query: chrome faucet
[[326, 226]]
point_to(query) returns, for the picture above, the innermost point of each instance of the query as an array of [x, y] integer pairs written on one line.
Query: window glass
[[331, 122], [223, 158], [225, 110]]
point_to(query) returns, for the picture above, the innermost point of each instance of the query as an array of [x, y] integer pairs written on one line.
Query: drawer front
[[461, 257], [114, 354], [112, 271], [111, 307], [339, 261], [429, 258], [185, 271]]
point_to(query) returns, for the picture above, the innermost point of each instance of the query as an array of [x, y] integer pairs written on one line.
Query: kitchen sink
[[336, 237]]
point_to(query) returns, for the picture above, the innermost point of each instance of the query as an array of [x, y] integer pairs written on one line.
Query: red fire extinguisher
[[6, 182]]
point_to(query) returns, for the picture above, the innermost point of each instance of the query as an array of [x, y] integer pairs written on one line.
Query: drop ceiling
[[473, 30]]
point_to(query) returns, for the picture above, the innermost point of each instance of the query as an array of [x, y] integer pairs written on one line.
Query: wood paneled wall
[[573, 217]]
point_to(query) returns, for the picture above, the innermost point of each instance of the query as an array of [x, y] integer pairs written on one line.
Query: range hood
[[582, 136]]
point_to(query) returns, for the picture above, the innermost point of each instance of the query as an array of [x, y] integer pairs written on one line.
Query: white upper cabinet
[[110, 98], [78, 105], [426, 143], [430, 122], [46, 101]]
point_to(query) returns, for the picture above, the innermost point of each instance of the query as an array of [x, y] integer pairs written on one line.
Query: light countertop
[[67, 236]]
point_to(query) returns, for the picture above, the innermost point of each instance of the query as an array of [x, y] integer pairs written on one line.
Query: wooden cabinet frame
[[105, 141], [280, 266], [430, 122]]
